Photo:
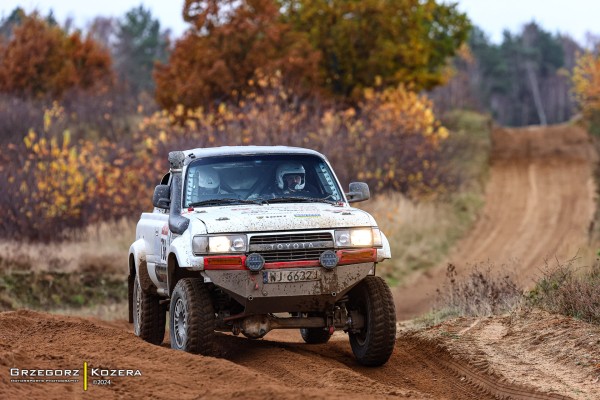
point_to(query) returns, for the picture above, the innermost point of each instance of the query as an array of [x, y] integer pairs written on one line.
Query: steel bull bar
[[260, 295]]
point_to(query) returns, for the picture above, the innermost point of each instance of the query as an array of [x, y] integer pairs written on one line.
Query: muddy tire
[[315, 335], [374, 343], [149, 316], [192, 318]]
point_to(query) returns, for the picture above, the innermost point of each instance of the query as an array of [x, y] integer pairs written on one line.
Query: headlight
[[219, 244], [362, 237]]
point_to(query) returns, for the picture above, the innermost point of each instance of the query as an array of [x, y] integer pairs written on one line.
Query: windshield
[[260, 179]]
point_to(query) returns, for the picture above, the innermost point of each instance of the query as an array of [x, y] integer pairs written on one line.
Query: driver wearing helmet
[[206, 184], [208, 181], [290, 177]]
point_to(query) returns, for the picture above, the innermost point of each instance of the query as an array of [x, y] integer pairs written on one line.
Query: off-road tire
[[374, 344], [149, 316], [315, 335], [192, 318]]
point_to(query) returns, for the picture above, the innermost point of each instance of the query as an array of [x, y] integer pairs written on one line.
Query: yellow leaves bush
[[392, 141], [59, 182], [57, 186], [586, 86]]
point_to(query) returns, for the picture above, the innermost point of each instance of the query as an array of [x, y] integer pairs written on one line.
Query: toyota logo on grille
[[291, 246]]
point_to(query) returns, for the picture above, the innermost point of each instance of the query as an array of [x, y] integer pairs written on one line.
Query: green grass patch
[[51, 290]]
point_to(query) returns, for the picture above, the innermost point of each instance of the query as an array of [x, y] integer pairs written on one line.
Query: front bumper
[[259, 298]]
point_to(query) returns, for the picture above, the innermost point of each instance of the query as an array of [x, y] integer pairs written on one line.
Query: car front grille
[[292, 246], [291, 238]]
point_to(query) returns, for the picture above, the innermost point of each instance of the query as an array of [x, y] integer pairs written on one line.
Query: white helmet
[[290, 169], [208, 179]]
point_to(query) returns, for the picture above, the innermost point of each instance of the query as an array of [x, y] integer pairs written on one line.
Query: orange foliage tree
[[42, 59], [229, 42]]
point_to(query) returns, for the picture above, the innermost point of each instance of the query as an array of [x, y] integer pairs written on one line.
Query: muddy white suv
[[250, 239]]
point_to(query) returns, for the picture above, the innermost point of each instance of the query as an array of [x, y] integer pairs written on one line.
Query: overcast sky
[[574, 17]]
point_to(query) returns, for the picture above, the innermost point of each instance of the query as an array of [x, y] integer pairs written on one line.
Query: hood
[[278, 217]]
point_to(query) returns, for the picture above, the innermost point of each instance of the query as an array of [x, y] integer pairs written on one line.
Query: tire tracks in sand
[[539, 203], [280, 367]]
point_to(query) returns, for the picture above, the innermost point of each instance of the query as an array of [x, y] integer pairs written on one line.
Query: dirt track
[[280, 367], [539, 205], [539, 202]]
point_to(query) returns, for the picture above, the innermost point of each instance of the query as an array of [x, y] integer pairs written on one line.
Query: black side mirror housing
[[359, 191], [162, 197]]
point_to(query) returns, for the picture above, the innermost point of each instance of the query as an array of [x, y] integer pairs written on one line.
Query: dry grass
[[85, 274], [483, 291], [567, 289], [420, 234], [106, 312], [100, 247]]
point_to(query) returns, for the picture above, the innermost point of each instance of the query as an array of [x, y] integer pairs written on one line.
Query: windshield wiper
[[300, 199], [215, 202]]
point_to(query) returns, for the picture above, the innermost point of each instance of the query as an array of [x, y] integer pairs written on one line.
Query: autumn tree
[[586, 88], [228, 43], [41, 59], [371, 42]]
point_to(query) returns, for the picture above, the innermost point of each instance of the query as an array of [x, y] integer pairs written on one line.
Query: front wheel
[[192, 318], [373, 344], [149, 316]]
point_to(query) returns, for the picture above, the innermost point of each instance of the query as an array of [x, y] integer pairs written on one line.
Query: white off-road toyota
[[249, 239]]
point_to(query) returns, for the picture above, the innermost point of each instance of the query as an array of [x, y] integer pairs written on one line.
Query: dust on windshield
[[260, 179]]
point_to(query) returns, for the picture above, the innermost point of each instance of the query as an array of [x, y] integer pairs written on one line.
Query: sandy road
[[539, 205]]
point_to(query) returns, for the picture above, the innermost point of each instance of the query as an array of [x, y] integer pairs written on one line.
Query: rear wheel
[[374, 343], [149, 316], [315, 335], [192, 318]]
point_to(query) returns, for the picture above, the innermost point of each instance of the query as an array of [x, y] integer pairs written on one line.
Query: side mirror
[[162, 197], [359, 191]]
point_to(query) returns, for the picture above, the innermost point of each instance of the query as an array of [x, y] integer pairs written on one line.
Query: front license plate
[[302, 275]]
